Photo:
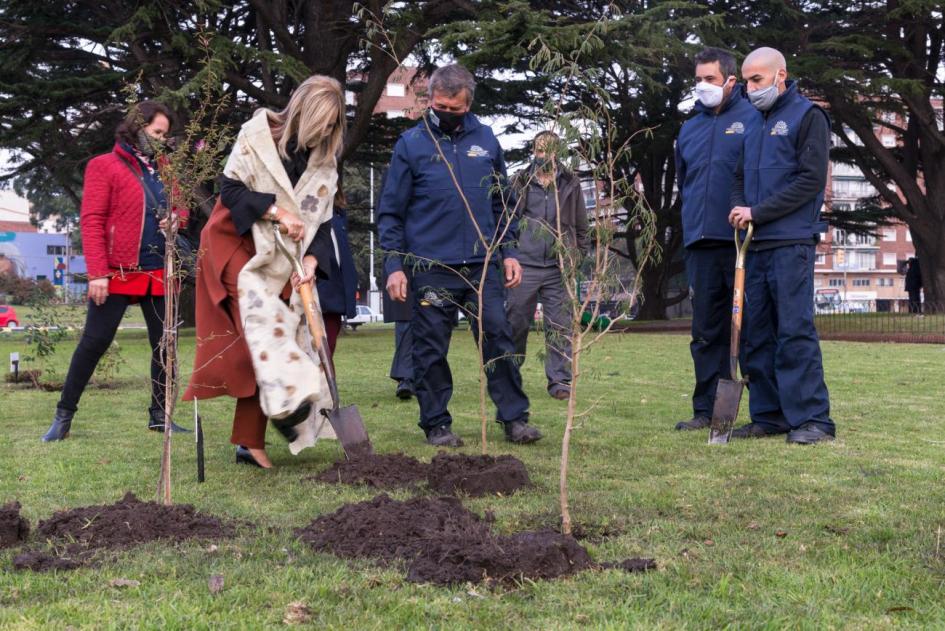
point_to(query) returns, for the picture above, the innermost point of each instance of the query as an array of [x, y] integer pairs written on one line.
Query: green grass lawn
[[859, 520]]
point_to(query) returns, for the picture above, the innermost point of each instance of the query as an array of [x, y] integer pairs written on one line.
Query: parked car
[[365, 315], [8, 316]]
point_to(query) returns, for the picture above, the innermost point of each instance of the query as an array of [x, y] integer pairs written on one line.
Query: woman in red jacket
[[123, 202]]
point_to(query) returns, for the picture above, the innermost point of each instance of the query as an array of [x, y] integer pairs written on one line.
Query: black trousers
[[101, 323], [438, 294], [711, 273]]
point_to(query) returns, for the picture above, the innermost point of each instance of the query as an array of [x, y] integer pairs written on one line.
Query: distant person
[[914, 286], [337, 286], [124, 203], [549, 196], [422, 214], [401, 365], [779, 186], [707, 152]]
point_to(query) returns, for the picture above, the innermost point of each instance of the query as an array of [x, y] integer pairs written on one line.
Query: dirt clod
[[13, 528]]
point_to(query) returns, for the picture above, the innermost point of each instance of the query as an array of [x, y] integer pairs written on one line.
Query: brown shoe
[[521, 433]]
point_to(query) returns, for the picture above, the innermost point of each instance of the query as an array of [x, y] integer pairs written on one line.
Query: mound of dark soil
[[13, 528], [78, 534], [477, 475], [534, 555], [442, 542], [385, 529], [381, 471], [447, 473]]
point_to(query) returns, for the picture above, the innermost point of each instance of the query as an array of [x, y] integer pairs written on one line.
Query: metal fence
[[881, 320]]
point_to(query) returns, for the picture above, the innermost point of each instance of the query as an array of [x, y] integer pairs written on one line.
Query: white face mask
[[708, 94]]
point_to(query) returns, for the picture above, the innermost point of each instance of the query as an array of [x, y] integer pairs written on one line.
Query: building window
[[889, 234], [861, 282], [909, 236], [589, 189], [889, 141], [821, 259], [349, 97], [395, 113], [889, 258], [836, 282], [395, 89], [55, 250]]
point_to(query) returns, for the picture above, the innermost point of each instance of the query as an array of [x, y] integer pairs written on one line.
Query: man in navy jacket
[[707, 152], [441, 207], [780, 187]]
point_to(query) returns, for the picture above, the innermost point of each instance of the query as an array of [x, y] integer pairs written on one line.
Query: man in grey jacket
[[553, 221]]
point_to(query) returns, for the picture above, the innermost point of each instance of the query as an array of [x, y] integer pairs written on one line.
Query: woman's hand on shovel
[[309, 265]]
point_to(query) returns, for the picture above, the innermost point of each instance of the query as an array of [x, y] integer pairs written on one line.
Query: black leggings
[[101, 323]]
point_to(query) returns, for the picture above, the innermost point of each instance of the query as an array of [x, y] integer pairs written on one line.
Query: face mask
[[149, 145], [708, 94], [448, 122], [764, 99], [543, 164]]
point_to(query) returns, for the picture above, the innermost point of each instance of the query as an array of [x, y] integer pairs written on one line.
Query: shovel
[[346, 421], [729, 392]]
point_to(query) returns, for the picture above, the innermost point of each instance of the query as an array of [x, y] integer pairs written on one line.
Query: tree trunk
[[929, 241]]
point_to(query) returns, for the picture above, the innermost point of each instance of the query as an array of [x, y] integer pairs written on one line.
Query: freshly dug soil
[[13, 528], [381, 471], [442, 542], [477, 475], [386, 530], [447, 473], [77, 534], [534, 555]]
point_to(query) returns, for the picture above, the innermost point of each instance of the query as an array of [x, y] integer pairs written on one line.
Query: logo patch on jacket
[[780, 129], [477, 152], [430, 297], [736, 128]]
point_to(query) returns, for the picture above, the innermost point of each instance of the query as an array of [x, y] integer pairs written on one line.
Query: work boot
[[757, 430], [696, 422], [62, 423], [286, 426], [808, 434], [404, 389], [521, 433], [560, 391], [441, 436], [156, 422]]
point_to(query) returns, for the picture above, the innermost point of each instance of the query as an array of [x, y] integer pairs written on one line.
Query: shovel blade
[[727, 398], [349, 427]]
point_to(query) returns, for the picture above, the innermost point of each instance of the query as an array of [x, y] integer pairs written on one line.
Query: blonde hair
[[315, 116]]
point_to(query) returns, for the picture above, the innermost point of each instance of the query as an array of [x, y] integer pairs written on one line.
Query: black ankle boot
[[61, 424], [156, 422]]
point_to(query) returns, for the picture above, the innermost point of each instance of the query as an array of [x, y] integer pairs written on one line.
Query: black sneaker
[[696, 422], [757, 430], [808, 434], [521, 433], [441, 436], [404, 389]]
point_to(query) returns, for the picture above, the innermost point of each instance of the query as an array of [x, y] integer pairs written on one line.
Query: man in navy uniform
[[707, 152], [780, 187], [444, 235]]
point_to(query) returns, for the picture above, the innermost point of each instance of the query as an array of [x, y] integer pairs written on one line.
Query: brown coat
[[222, 364]]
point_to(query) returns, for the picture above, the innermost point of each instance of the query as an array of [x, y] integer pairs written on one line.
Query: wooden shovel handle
[[314, 322]]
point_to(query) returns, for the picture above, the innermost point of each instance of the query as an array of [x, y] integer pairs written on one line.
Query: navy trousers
[[401, 366], [438, 294], [711, 274], [781, 351]]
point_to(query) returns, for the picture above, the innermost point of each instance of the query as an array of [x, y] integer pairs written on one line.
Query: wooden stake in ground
[[169, 346]]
